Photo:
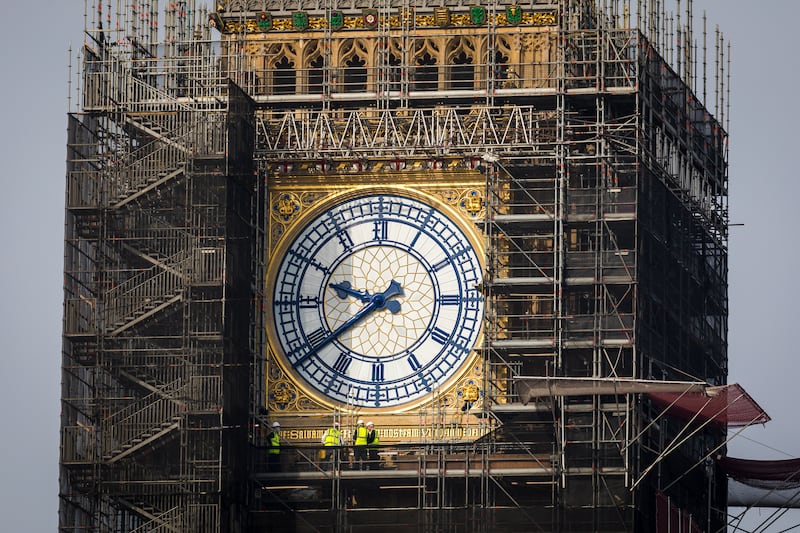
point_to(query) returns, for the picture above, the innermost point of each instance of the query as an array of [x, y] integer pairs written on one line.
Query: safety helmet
[[276, 424], [360, 422], [370, 423]]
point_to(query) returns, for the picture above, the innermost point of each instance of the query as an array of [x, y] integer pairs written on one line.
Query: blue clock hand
[[383, 298], [377, 301], [338, 331], [344, 289]]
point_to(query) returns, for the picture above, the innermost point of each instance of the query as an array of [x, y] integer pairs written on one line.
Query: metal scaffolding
[[602, 200]]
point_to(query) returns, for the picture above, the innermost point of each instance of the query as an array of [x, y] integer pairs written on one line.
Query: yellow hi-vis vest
[[333, 437], [274, 443], [361, 436], [375, 440]]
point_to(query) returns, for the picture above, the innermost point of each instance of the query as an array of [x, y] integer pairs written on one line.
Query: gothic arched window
[[285, 77], [426, 77], [316, 75], [462, 73], [355, 75]]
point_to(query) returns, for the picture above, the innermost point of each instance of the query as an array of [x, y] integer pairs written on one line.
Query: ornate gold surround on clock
[[293, 198]]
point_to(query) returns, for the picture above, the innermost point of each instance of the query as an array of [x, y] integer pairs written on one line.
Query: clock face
[[376, 301]]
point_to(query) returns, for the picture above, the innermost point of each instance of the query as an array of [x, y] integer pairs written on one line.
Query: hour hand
[[344, 289], [381, 299]]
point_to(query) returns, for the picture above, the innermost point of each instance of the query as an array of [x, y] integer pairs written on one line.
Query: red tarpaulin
[[727, 405], [762, 483], [749, 471]]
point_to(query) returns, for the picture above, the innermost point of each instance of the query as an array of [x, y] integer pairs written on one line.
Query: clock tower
[[494, 230]]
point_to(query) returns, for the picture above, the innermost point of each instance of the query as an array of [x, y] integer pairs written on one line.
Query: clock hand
[[383, 298], [338, 331], [344, 288], [377, 302]]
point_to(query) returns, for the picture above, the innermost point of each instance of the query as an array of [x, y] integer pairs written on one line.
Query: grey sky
[[764, 191], [34, 66], [764, 255]]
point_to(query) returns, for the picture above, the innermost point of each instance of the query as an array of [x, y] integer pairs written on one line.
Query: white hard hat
[[360, 422], [276, 424], [370, 423], [336, 423]]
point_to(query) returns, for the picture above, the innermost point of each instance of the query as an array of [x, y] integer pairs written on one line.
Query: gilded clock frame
[[294, 200]]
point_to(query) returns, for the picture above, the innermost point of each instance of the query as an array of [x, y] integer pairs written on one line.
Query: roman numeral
[[381, 229], [309, 302], [316, 264], [303, 302], [424, 222], [447, 260], [342, 363], [441, 264], [440, 336], [412, 360], [315, 337], [345, 239], [450, 299], [377, 372]]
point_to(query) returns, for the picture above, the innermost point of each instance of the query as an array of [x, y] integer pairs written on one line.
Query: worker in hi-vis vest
[[274, 448], [332, 440], [372, 447], [360, 446]]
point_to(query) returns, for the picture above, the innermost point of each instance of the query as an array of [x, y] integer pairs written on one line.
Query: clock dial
[[376, 300]]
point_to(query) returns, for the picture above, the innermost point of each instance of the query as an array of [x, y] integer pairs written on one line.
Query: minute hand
[[353, 320], [377, 301]]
